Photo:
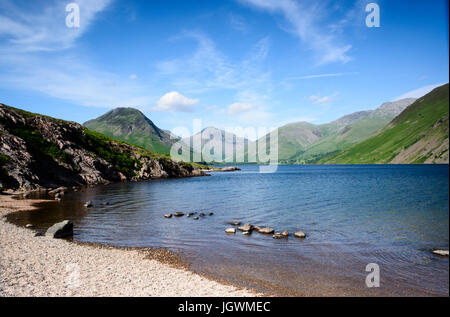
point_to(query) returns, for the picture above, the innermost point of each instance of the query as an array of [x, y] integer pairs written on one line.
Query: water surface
[[392, 215]]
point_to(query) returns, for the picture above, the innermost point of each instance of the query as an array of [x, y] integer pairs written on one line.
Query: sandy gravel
[[42, 266]]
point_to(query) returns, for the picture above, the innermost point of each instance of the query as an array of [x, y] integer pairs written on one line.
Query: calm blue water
[[353, 215]]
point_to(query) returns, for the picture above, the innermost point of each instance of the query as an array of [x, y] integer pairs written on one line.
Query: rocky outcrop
[[38, 151]]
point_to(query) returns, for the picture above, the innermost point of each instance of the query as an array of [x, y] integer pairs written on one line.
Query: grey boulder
[[59, 230]]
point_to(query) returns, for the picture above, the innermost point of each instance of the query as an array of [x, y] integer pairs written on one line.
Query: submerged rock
[[190, 214], [230, 230], [168, 215], [279, 236], [202, 214], [88, 204], [211, 214], [300, 235], [179, 214], [196, 218], [246, 233], [235, 223], [60, 230], [441, 252]]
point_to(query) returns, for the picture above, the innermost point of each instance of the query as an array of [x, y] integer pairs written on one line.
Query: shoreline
[[43, 266]]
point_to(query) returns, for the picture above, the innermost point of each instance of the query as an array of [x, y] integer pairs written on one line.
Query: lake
[[391, 215]]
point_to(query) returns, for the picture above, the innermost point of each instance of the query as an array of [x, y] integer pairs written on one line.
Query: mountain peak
[[131, 125]]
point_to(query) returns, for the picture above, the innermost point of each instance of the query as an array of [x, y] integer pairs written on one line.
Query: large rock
[[230, 230], [266, 230], [300, 235], [59, 230], [246, 227], [178, 214]]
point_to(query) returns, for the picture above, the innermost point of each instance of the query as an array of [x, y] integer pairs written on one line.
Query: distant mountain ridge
[[223, 144], [131, 125], [306, 142], [419, 134]]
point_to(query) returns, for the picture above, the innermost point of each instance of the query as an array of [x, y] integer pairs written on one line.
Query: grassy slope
[[356, 132], [426, 120]]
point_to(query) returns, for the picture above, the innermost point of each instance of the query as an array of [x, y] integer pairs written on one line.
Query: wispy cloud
[[207, 68], [305, 21], [322, 76], [238, 23], [239, 107], [417, 93], [45, 30], [38, 52]]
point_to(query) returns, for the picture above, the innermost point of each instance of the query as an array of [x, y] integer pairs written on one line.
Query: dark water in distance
[[392, 215]]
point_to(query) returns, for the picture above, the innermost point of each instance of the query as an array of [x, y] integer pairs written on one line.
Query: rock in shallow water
[[266, 230], [178, 214], [230, 230], [235, 223], [88, 204], [441, 252], [195, 218], [246, 227], [168, 216], [60, 230], [279, 236], [300, 235]]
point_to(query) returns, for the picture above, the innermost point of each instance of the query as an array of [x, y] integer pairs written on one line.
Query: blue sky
[[229, 63]]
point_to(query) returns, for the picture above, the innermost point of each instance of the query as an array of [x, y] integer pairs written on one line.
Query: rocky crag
[[38, 151]]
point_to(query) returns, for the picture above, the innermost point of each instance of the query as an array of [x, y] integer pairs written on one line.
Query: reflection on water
[[353, 215]]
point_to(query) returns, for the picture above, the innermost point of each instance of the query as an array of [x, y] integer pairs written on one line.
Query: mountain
[[132, 126], [39, 151], [222, 145], [352, 129], [419, 134]]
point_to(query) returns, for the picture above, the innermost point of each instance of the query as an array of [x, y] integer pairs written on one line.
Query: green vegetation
[[416, 135], [132, 126], [101, 145]]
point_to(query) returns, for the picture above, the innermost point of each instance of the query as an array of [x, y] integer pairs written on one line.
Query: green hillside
[[132, 126], [418, 135]]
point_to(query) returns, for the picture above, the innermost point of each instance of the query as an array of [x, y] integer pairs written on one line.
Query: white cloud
[[175, 102], [318, 100], [306, 25], [417, 93], [239, 107]]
